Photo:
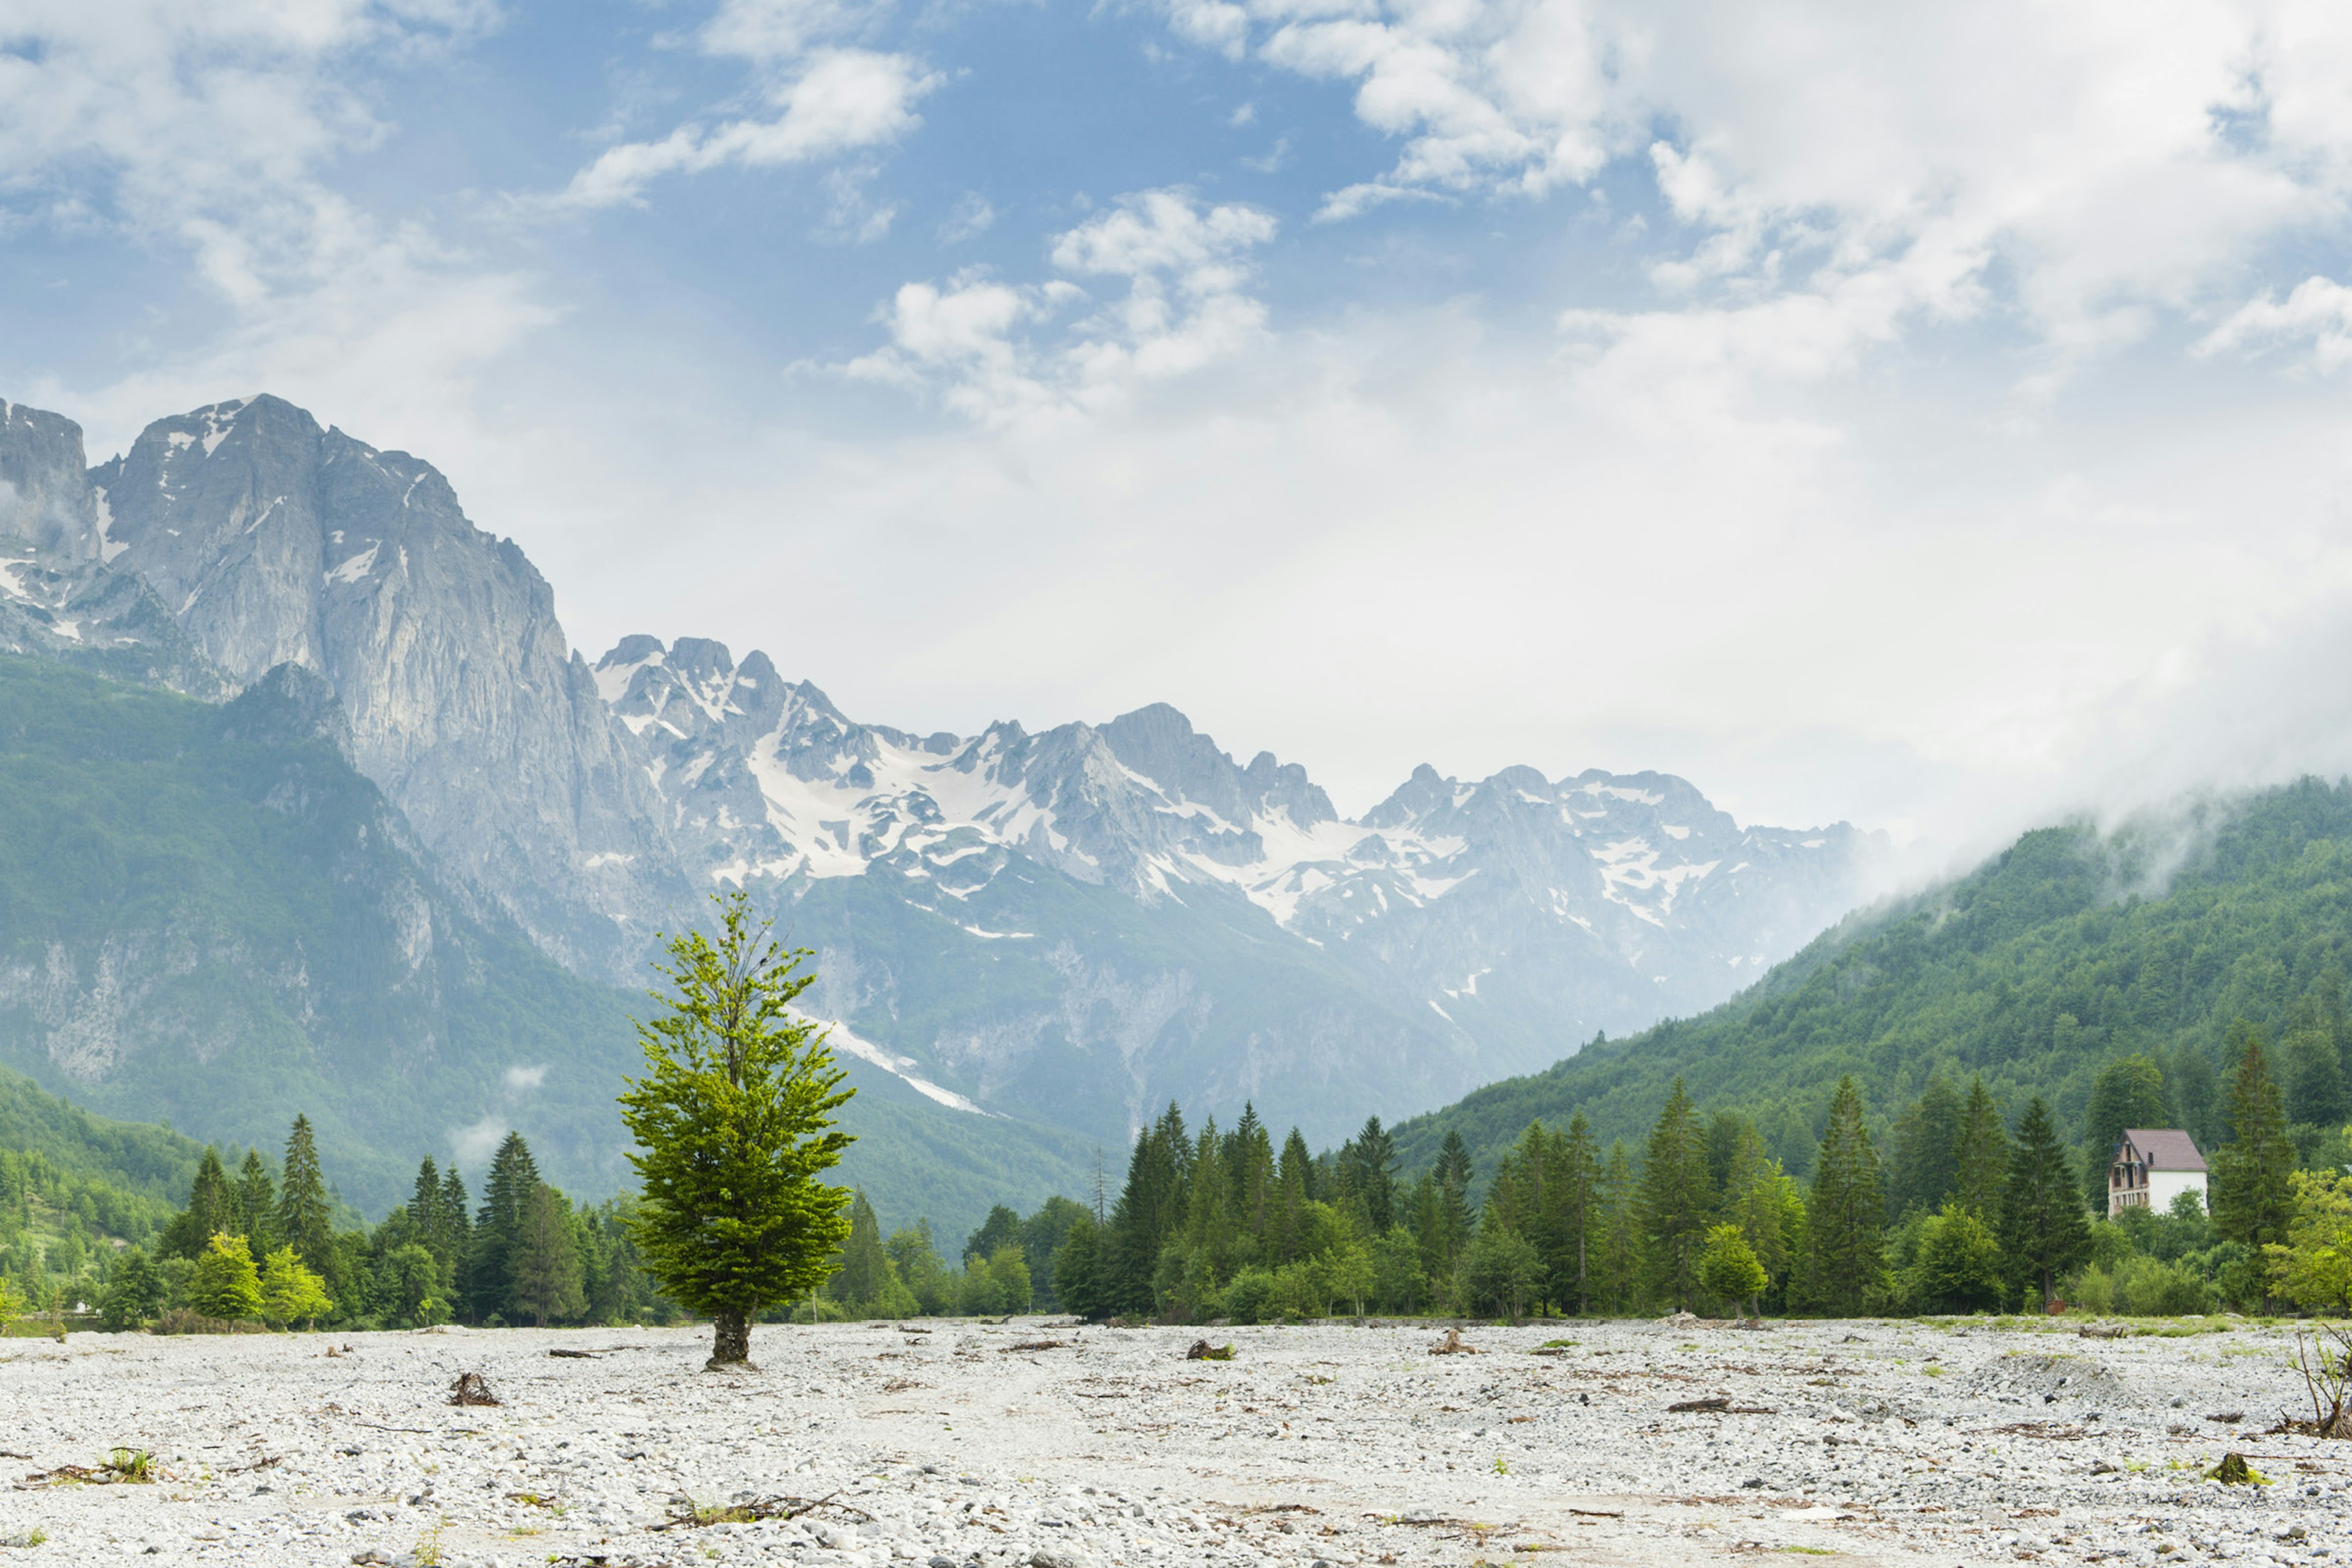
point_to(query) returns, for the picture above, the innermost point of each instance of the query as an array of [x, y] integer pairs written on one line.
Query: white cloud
[[834, 98], [215, 131], [1186, 268], [2318, 311], [474, 1145], [839, 101], [971, 217], [2094, 167], [521, 1080]]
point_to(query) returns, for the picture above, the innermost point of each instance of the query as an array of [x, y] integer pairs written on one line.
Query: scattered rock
[[2228, 1417]]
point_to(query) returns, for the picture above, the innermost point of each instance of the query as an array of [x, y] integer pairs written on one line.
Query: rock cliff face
[[274, 541], [1070, 926]]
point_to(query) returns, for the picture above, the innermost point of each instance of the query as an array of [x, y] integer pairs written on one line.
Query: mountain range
[[1031, 939]]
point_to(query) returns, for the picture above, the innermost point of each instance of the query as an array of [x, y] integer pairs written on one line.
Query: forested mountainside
[[208, 917], [2072, 949], [1129, 912]]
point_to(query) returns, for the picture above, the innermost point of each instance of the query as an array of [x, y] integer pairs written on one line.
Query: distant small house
[[2152, 1166]]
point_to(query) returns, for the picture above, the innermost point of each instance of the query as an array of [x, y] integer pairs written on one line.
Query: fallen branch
[[1452, 1346], [575, 1355], [685, 1514], [1695, 1406], [1203, 1350]]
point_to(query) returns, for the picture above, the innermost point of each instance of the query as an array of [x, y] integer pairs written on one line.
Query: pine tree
[[1983, 1154], [1617, 1278], [488, 1280], [734, 1127], [864, 1274], [2314, 1069], [1676, 1204], [1845, 1214], [256, 1197], [546, 1284], [1577, 1184], [1078, 1271], [457, 1228], [1453, 1176], [1286, 1225], [305, 1222], [1369, 1163], [2252, 1174], [212, 1210], [1249, 1159], [1922, 1156], [1209, 1234], [2044, 1228], [1149, 1210]]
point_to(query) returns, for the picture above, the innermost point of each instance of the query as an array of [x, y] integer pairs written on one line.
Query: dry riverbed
[[1037, 1442]]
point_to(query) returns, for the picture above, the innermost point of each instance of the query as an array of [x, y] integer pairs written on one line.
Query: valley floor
[[945, 1443]]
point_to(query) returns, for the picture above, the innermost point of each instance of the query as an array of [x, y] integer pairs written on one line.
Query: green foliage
[[2065, 952], [134, 1296], [2313, 1266], [408, 1284], [238, 838], [1502, 1272], [1729, 1268], [1677, 1197], [2044, 1228], [1958, 1265], [2252, 1176], [304, 1220], [291, 1292], [1843, 1266], [225, 1284], [545, 1277], [732, 1125]]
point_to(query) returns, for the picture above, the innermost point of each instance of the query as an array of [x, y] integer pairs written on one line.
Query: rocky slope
[[1087, 922], [1068, 927], [274, 541]]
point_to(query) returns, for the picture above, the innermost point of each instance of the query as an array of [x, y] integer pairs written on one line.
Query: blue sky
[[1932, 415]]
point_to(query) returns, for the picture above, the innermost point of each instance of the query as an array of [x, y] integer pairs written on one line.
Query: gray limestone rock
[[274, 541]]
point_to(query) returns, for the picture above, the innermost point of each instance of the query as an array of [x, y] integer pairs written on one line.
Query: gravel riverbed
[[944, 1444]]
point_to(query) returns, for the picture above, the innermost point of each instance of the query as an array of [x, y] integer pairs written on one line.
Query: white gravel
[[952, 1445]]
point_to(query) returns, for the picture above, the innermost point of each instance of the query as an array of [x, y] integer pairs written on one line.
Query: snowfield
[[948, 1443]]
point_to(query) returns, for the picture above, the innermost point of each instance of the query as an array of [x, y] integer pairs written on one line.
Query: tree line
[[259, 1246], [1958, 1207]]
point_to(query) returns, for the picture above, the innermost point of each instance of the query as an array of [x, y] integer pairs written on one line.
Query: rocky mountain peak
[[46, 498]]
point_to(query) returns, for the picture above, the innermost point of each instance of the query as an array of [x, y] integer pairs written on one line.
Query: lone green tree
[[733, 1123]]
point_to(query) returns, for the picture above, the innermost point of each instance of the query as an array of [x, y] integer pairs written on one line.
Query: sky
[[1936, 416]]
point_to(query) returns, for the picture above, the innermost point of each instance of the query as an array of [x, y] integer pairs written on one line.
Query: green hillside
[[2071, 949], [208, 918]]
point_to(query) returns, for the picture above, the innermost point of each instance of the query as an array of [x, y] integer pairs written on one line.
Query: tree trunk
[[730, 1340]]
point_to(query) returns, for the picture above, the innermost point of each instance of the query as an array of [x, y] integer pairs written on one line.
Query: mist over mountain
[[1034, 936]]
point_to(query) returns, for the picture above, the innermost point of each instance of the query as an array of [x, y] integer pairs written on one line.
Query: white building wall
[[2163, 1186]]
